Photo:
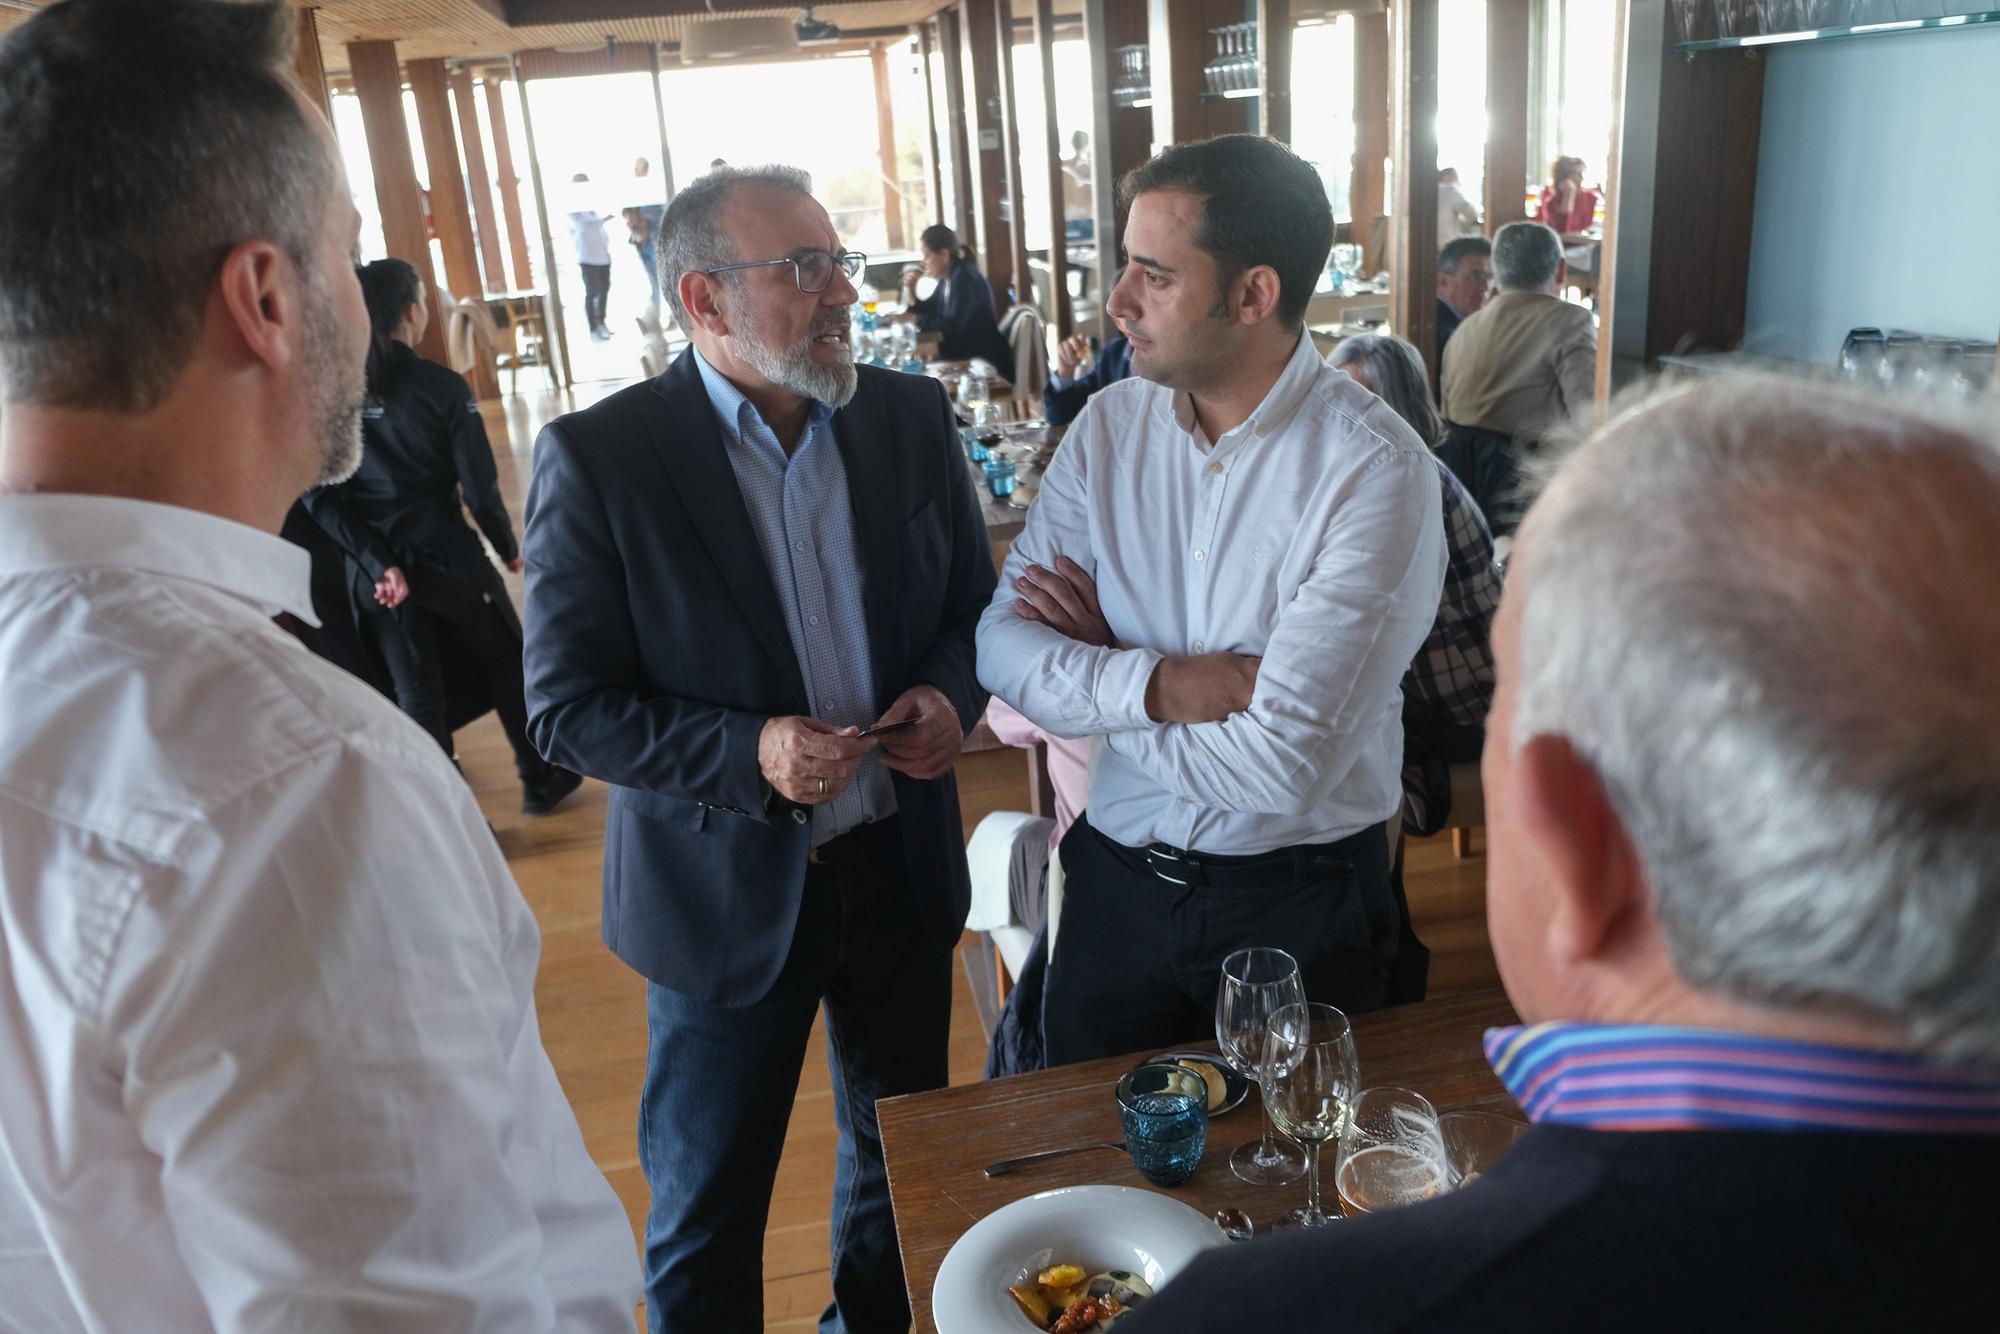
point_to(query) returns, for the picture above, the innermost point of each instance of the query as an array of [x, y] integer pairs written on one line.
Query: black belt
[[1201, 870], [861, 843]]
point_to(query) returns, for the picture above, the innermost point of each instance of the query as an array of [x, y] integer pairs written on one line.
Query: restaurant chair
[[1010, 920], [1027, 335], [1468, 807]]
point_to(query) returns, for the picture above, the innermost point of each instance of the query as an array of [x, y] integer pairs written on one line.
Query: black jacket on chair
[[1672, 1230], [657, 651]]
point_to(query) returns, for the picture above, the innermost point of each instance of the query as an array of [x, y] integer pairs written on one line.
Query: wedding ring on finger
[[822, 787]]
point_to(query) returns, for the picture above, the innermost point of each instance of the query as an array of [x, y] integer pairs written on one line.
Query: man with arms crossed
[[732, 570], [1744, 825], [1227, 571], [266, 987]]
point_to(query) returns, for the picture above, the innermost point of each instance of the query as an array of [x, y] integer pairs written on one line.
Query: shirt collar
[[736, 413], [1614, 1077], [1286, 393], [44, 532]]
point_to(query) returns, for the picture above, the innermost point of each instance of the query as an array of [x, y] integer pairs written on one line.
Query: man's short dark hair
[[1261, 204], [1456, 250], [140, 142]]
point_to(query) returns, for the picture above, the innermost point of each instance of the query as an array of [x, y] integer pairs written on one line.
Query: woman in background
[[439, 614], [1568, 205], [962, 306]]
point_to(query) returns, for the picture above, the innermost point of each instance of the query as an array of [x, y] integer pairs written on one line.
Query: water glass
[[1256, 984], [1164, 1109], [975, 449], [999, 476], [1391, 1153], [1310, 1074], [1474, 1141]]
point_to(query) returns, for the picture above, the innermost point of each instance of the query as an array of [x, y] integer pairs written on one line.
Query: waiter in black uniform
[[436, 609]]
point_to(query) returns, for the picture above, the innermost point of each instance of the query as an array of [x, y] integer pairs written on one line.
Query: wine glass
[[1391, 1153], [1256, 984], [1310, 1075]]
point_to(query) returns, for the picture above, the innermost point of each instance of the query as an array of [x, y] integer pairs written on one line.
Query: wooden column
[[378, 87], [885, 150], [1506, 171], [1366, 197], [509, 186], [1274, 69], [959, 119], [1179, 42], [979, 21], [934, 157], [1063, 320], [1607, 255], [479, 182], [1010, 123], [1413, 129], [311, 68], [449, 209]]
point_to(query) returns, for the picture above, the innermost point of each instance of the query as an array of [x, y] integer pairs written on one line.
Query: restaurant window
[[1573, 97], [1323, 104], [1073, 119], [1461, 120]]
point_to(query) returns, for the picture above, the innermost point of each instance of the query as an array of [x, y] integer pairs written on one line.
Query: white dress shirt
[[1311, 535], [267, 1019]]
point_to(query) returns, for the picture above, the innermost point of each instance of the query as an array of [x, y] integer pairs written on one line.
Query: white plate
[[1098, 1227]]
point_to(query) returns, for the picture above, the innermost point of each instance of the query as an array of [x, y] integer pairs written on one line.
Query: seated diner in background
[[1514, 371], [1741, 811], [1568, 206], [1067, 391], [961, 308]]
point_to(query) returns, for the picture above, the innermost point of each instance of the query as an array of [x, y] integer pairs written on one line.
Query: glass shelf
[[1232, 95], [1885, 28]]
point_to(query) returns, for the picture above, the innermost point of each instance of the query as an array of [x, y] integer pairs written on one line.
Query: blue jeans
[[720, 1083]]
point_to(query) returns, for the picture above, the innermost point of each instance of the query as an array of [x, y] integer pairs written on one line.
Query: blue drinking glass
[[1000, 477], [975, 451], [1165, 1112]]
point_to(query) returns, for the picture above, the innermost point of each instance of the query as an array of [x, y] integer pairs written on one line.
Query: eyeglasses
[[813, 268]]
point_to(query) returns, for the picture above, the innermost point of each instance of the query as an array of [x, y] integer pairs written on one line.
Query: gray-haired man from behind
[[267, 1016], [1744, 884], [1515, 371]]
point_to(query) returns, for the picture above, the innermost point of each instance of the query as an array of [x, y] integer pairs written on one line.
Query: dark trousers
[[410, 641], [1138, 959], [596, 290], [720, 1083]]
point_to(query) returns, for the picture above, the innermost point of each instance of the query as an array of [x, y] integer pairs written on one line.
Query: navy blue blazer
[[1667, 1230], [656, 651]]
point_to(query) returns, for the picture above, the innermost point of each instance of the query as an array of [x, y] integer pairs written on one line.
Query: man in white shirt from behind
[[266, 987], [1227, 570]]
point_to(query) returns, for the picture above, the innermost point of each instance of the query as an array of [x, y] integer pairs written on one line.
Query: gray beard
[[793, 368], [338, 394]]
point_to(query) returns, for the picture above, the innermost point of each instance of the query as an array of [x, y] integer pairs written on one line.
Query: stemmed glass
[[1310, 1076], [1256, 984]]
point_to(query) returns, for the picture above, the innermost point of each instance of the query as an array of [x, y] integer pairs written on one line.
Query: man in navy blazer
[[732, 571]]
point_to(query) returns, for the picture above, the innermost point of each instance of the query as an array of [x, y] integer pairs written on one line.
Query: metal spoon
[[1235, 1224]]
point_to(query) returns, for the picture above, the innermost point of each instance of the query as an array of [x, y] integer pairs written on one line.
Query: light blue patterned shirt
[[804, 523]]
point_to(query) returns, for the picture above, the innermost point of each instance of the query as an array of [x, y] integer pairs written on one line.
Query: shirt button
[[1201, 555], [1200, 647], [798, 546], [812, 620], [1215, 468]]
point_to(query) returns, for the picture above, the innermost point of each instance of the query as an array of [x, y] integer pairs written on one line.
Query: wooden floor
[[592, 1007]]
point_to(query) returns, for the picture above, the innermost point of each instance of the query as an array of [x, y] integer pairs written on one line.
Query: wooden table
[[1003, 521], [1330, 307], [937, 1144]]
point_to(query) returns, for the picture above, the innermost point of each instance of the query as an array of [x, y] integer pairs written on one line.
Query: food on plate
[[1211, 1075], [1062, 1300]]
